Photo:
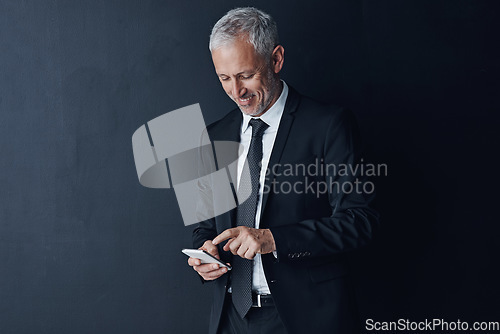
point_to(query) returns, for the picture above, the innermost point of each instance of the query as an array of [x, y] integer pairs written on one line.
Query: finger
[[204, 246], [249, 254], [206, 268], [215, 274], [235, 245], [212, 249], [194, 262], [226, 246], [227, 234], [242, 250]]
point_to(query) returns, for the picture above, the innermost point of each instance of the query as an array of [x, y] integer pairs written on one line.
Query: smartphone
[[204, 257]]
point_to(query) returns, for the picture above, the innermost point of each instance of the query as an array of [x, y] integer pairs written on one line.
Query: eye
[[245, 77], [223, 78]]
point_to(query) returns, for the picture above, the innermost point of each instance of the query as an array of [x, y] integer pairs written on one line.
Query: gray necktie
[[242, 268]]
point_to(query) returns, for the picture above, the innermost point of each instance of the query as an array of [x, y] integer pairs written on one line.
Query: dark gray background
[[85, 249]]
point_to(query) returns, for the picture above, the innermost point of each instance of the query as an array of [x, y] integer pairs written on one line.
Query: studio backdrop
[[85, 248]]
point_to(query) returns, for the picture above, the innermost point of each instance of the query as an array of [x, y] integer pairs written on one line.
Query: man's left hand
[[246, 242]]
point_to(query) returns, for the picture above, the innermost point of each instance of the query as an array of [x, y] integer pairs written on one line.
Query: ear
[[278, 57]]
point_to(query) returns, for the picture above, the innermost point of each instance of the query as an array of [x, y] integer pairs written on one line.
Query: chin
[[250, 112]]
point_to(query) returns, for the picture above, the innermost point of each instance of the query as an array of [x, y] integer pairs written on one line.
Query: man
[[286, 242]]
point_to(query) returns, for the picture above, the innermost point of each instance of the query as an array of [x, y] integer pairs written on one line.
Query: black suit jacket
[[313, 231]]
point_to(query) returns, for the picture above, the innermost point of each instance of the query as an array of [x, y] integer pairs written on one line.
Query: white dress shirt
[[272, 118]]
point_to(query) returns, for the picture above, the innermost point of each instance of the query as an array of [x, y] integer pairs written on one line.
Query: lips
[[245, 101]]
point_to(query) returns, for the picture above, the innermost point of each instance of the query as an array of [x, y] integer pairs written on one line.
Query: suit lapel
[[231, 132], [291, 106]]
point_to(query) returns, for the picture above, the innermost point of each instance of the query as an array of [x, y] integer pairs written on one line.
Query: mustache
[[246, 96]]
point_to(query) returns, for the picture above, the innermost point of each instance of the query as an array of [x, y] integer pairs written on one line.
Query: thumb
[[211, 248]]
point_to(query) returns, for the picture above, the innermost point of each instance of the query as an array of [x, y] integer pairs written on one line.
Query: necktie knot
[[258, 127]]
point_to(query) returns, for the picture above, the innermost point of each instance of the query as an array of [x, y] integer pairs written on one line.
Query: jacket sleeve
[[203, 232], [206, 229], [352, 220]]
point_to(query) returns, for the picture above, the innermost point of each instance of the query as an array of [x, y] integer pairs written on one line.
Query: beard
[[270, 93]]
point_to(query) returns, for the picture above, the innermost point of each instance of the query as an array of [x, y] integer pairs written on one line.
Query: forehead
[[237, 57]]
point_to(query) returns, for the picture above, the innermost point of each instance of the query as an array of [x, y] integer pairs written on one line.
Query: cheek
[[254, 87]]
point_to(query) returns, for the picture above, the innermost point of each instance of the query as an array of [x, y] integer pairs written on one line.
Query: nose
[[237, 89]]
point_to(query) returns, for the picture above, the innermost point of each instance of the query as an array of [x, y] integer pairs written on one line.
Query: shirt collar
[[273, 115]]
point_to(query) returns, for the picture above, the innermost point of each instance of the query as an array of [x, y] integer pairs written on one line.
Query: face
[[247, 78]]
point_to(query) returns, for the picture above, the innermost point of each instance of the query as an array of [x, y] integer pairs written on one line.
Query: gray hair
[[259, 27]]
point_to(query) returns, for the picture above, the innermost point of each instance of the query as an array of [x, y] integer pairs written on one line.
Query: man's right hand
[[209, 271]]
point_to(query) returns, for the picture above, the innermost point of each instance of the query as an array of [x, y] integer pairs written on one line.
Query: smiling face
[[247, 78]]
